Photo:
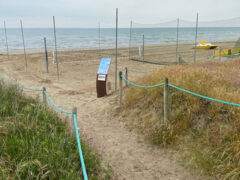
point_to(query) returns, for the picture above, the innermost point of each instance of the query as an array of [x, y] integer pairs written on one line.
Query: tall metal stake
[[177, 41], [46, 54], [99, 39], [5, 28], [130, 40], [195, 50], [116, 50], [55, 39], [24, 49], [143, 49]]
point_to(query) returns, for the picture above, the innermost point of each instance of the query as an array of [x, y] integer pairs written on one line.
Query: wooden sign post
[[102, 77]]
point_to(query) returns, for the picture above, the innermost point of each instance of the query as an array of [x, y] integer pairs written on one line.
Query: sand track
[[130, 156]]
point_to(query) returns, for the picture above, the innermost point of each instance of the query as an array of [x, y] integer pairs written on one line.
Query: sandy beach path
[[130, 156]]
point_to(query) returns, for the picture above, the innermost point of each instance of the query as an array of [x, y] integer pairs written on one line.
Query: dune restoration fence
[[73, 113], [124, 76], [175, 41]]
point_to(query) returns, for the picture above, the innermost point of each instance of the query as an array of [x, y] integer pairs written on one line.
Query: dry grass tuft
[[209, 130]]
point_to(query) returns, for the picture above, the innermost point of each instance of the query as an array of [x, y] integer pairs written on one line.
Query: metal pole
[[126, 76], [99, 39], [120, 84], [24, 49], [220, 53], [143, 50], [46, 53], [130, 40], [177, 41], [44, 96], [195, 50], [116, 50], [6, 39], [55, 39], [53, 56], [165, 102]]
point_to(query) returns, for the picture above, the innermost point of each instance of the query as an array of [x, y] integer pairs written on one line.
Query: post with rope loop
[[44, 96], [165, 101], [120, 85], [126, 76], [74, 111]]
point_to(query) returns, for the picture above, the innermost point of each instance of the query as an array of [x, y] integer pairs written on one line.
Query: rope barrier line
[[79, 148], [183, 90], [141, 86], [204, 97], [13, 83], [32, 89], [61, 110], [58, 108]]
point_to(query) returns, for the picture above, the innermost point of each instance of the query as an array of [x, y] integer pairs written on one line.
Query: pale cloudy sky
[[87, 13]]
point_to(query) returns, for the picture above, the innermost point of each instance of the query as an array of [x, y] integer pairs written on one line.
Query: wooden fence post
[[44, 96], [165, 102], [74, 111], [120, 85], [126, 76]]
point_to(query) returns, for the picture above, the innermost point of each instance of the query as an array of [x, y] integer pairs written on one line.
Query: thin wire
[[79, 148]]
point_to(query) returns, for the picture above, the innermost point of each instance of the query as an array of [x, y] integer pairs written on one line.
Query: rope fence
[[166, 85], [204, 97], [22, 87], [73, 113], [141, 86], [54, 105]]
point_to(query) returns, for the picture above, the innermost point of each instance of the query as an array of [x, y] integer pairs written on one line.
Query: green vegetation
[[209, 132], [36, 144]]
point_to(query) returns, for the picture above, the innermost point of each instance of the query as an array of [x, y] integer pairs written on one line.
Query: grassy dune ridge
[[36, 144], [209, 132]]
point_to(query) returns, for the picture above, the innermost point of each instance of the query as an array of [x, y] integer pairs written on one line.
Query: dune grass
[[36, 144], [207, 132]]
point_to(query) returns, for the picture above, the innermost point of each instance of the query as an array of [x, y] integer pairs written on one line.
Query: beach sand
[[130, 156]]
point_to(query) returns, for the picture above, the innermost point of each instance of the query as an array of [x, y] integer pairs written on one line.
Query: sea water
[[89, 37]]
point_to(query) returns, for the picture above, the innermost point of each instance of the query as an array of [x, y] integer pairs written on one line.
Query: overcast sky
[[87, 13]]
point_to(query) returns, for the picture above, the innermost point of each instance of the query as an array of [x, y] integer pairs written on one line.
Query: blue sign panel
[[104, 66]]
